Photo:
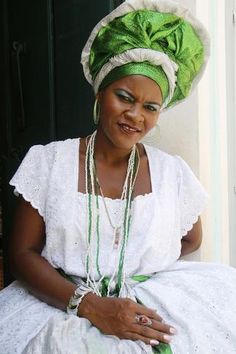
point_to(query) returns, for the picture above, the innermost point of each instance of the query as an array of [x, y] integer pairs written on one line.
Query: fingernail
[[166, 337], [173, 330], [154, 342]]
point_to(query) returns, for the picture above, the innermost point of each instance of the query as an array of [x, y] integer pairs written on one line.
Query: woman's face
[[129, 109]]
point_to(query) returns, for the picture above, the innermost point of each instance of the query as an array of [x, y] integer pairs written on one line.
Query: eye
[[152, 108], [124, 97]]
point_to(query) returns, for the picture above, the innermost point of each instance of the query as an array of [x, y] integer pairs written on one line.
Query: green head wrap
[[155, 73], [157, 39]]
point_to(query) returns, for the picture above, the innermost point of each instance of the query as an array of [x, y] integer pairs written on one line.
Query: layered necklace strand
[[92, 187], [117, 228]]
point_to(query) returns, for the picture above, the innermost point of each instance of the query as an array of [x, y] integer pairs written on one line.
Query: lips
[[128, 128]]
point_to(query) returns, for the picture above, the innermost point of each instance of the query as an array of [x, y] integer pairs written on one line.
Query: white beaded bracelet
[[76, 299]]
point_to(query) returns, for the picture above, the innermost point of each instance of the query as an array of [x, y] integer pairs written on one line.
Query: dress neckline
[[137, 197]]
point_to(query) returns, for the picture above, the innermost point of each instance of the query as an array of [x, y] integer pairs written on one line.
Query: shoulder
[[170, 167], [161, 157], [55, 145], [51, 151]]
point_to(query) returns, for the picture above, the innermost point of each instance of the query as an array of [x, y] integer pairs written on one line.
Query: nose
[[134, 112]]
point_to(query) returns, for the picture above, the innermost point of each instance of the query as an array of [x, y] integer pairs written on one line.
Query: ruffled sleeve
[[31, 180], [192, 197]]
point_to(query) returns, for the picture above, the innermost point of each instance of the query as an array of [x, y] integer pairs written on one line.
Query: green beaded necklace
[[93, 224]]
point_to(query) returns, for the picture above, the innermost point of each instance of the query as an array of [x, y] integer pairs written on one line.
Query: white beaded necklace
[[91, 182], [117, 227]]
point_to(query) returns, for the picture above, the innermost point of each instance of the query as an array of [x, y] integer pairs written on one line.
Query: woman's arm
[[26, 243], [192, 241], [113, 316]]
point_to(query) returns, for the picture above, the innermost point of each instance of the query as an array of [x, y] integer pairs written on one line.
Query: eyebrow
[[130, 94]]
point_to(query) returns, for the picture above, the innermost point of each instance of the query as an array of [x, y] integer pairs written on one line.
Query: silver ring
[[143, 320]]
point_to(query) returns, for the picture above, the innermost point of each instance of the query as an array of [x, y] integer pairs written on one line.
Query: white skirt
[[198, 299]]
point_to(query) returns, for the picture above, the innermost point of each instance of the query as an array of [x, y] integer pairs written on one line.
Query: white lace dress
[[199, 299]]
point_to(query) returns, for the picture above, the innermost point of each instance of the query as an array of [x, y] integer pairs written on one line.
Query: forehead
[[140, 86]]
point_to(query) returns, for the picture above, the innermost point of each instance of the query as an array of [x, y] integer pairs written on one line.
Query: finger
[[151, 333], [143, 310], [148, 341], [162, 327]]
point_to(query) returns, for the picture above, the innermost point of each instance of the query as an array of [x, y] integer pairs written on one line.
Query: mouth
[[128, 129]]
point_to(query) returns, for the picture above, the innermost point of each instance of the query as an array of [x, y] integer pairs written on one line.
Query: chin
[[128, 140], [125, 142]]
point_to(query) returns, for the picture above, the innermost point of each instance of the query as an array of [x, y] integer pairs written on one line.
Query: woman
[[103, 220]]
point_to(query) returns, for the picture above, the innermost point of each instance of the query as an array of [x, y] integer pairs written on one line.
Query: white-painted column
[[231, 120], [212, 118]]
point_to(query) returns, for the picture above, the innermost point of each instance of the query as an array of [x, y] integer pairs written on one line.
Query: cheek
[[110, 109]]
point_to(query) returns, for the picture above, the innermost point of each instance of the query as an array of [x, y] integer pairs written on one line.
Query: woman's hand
[[117, 316]]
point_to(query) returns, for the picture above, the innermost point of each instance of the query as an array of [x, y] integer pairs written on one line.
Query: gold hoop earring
[[96, 112]]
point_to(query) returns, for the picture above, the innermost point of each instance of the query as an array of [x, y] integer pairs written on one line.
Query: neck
[[106, 151]]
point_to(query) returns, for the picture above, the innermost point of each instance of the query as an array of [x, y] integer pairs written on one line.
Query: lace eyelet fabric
[[199, 299]]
